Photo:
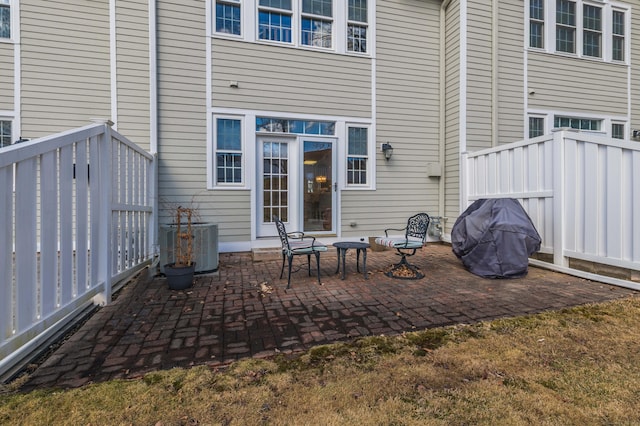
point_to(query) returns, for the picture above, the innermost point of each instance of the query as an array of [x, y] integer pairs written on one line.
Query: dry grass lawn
[[580, 366]]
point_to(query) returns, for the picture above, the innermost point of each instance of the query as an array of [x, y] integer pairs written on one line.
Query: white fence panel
[[581, 191], [60, 249]]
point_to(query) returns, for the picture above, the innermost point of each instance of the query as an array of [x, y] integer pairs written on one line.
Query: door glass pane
[[317, 186], [275, 179]]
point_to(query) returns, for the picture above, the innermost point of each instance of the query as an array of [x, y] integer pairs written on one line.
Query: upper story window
[[274, 20], [579, 27], [227, 17], [357, 26], [340, 26], [5, 133], [565, 26], [228, 150], [317, 23], [536, 23], [592, 31], [5, 19], [618, 36]]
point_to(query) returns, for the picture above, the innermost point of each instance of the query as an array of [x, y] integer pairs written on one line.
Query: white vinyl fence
[[581, 191], [76, 218]]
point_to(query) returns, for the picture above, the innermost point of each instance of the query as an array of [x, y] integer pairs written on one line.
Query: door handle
[[335, 186]]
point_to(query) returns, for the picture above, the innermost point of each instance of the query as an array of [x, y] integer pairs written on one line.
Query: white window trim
[[607, 6], [212, 166], [371, 157], [605, 128], [249, 27]]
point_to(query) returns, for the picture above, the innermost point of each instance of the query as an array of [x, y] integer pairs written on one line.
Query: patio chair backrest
[[417, 226], [282, 233]]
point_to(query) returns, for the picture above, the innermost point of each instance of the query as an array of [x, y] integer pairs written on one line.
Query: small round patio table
[[342, 248]]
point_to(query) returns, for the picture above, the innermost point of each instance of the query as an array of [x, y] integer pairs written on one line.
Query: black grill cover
[[494, 238]]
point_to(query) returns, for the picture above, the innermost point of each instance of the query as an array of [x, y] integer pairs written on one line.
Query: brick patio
[[244, 310]]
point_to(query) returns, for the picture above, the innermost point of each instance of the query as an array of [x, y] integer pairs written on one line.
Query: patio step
[[263, 254]]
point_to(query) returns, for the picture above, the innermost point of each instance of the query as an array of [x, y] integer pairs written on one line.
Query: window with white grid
[[317, 23], [227, 17], [357, 26], [5, 18], [275, 20], [228, 151], [357, 155], [5, 133]]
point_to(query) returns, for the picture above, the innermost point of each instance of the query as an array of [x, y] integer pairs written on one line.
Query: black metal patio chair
[[295, 244], [414, 238]]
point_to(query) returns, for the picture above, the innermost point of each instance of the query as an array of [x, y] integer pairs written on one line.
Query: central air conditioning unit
[[205, 246]]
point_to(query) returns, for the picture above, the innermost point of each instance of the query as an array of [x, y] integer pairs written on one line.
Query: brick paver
[[244, 310]]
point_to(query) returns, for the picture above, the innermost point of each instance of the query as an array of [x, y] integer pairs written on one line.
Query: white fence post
[[104, 217], [464, 181], [559, 198]]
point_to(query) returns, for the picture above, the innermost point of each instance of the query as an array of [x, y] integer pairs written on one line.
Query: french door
[[296, 182]]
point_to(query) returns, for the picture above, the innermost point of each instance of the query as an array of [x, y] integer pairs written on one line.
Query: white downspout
[[153, 122], [113, 57], [442, 111], [494, 73], [17, 72]]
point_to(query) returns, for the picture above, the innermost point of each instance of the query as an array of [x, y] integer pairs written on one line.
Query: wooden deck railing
[[77, 217]]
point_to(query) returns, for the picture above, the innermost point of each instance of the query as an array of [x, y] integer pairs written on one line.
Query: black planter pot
[[179, 278]]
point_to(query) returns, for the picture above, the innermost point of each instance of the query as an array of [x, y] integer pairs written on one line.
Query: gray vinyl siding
[[452, 114], [6, 76], [284, 79], [133, 80], [182, 123], [65, 65], [571, 84], [479, 75], [407, 93], [511, 86]]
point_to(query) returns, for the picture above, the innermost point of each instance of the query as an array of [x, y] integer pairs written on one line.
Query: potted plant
[[180, 273]]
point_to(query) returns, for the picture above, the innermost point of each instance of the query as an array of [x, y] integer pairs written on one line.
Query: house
[[281, 107]]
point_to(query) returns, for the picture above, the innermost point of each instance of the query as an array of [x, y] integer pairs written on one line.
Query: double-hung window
[[536, 23], [357, 26], [566, 26], [274, 20], [592, 31], [5, 19], [227, 17], [316, 23], [357, 155], [618, 36], [228, 151], [5, 133]]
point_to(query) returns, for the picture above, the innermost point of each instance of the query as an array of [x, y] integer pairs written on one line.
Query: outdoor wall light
[[387, 149]]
